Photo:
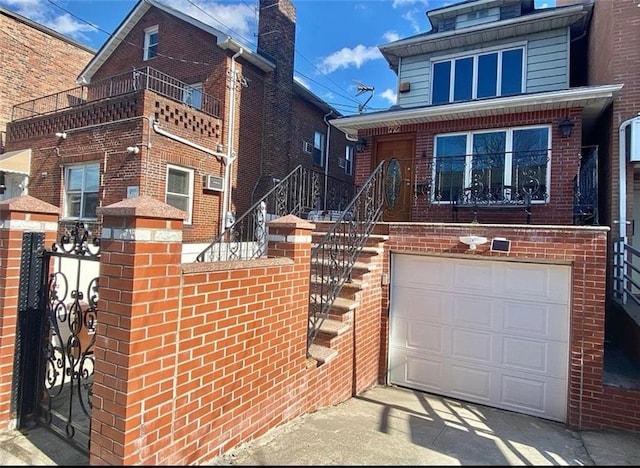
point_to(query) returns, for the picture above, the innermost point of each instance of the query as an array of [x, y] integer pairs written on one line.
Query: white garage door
[[489, 332]]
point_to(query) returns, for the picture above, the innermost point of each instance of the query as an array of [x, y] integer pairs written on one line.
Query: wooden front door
[[398, 152]]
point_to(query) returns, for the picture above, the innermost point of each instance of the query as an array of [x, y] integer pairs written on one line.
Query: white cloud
[[238, 19], [412, 18], [403, 3], [390, 96], [391, 36], [346, 57], [69, 26]]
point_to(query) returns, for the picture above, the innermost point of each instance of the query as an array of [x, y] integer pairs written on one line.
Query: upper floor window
[[81, 184], [501, 166], [483, 75], [150, 43], [318, 149], [192, 95], [179, 192]]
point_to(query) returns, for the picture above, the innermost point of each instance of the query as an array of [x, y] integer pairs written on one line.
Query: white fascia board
[[512, 104], [251, 57]]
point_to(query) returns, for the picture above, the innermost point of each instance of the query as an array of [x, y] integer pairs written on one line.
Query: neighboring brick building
[[178, 110], [34, 61]]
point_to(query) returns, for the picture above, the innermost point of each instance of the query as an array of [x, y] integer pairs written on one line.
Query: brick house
[[54, 62], [172, 108]]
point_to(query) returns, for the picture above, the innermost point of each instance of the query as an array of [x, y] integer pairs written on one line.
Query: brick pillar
[[134, 384], [17, 216], [290, 236]]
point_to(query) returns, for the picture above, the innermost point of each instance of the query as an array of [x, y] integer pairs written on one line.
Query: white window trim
[[508, 150], [349, 152], [475, 54], [190, 195], [323, 145], [148, 32], [65, 179]]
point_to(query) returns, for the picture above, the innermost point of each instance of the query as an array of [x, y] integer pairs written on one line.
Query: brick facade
[[36, 61], [101, 131], [565, 162]]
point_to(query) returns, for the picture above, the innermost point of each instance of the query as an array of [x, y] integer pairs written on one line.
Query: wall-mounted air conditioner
[[341, 163], [632, 140], [212, 182], [307, 147]]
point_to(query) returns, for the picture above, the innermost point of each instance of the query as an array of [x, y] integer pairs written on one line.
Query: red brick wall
[[35, 62], [564, 166]]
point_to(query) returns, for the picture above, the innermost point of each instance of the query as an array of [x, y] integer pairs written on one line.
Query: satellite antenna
[[361, 90]]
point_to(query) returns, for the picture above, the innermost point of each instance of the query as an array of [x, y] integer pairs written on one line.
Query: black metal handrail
[[585, 188], [299, 193], [332, 260], [626, 271], [124, 83]]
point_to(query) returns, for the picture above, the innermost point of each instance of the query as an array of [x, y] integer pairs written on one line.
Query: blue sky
[[336, 40]]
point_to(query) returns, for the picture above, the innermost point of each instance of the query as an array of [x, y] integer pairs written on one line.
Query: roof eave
[[593, 99]]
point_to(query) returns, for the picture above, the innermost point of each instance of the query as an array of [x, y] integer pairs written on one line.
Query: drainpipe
[[160, 131], [326, 158], [228, 168]]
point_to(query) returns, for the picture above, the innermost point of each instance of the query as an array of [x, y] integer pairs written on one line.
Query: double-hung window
[[150, 43], [81, 185], [318, 149], [477, 76], [501, 166], [179, 192], [192, 95]]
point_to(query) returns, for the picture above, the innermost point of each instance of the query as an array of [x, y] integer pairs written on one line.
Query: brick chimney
[[276, 41]]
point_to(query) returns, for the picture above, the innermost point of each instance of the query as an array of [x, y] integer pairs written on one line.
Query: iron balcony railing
[[333, 258], [117, 85], [585, 188], [500, 178], [300, 193]]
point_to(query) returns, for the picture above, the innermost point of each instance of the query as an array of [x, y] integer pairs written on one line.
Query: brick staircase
[[340, 317]]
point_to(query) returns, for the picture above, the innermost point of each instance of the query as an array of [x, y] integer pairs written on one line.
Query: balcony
[[118, 85]]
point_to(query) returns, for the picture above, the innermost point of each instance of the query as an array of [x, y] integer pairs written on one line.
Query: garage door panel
[[476, 277], [419, 372], [473, 312], [485, 331], [435, 273], [422, 305], [533, 395], [470, 383], [534, 356], [471, 345], [542, 282]]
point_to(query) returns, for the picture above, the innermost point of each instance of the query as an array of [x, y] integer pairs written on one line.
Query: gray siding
[[547, 66]]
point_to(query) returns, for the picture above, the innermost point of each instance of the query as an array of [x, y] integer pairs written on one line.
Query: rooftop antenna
[[361, 90]]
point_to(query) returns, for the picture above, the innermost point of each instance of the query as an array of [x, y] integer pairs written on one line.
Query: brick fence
[[194, 359]]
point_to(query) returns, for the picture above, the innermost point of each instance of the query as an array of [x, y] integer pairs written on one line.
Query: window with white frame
[[192, 95], [348, 159], [81, 185], [179, 192], [318, 149], [502, 166], [150, 43], [477, 76]]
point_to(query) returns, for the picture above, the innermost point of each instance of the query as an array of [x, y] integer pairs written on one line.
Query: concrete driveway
[[396, 426]]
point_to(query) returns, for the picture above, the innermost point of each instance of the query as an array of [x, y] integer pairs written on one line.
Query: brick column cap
[[292, 222], [28, 204], [143, 206]]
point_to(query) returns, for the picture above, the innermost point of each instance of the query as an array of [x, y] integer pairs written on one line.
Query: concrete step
[[322, 354]]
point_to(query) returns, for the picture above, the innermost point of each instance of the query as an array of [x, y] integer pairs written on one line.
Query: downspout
[[326, 158], [226, 199]]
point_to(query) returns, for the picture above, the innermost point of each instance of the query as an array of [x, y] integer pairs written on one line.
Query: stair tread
[[341, 303], [353, 284], [321, 353], [334, 327]]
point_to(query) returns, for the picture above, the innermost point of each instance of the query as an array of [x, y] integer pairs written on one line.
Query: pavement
[[388, 425]]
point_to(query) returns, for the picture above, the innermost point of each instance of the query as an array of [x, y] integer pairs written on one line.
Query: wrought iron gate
[[57, 318]]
